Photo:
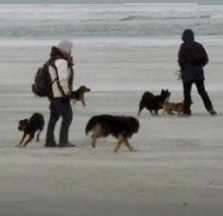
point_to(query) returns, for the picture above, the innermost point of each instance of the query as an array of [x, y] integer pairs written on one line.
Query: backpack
[[42, 82], [197, 54]]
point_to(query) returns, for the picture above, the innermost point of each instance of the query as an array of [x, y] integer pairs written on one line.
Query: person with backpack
[[192, 57], [60, 67]]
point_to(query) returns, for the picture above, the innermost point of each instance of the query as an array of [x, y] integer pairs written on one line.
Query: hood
[[57, 54], [188, 35]]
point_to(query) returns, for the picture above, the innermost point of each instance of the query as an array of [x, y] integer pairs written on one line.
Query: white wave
[[135, 43], [53, 21]]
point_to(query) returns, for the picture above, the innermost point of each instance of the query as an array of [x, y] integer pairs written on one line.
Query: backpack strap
[[47, 64], [57, 79]]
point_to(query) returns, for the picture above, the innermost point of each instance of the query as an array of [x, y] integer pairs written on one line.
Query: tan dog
[[78, 95], [170, 107]]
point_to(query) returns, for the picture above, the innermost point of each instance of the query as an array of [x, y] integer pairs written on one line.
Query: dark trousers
[[187, 86], [59, 107]]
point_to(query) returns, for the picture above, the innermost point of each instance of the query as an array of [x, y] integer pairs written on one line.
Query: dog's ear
[[26, 121]]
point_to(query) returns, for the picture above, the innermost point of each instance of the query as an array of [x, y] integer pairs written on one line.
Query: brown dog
[[170, 107], [30, 127], [78, 95]]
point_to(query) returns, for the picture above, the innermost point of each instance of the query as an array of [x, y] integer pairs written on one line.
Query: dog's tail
[[147, 96], [90, 125], [141, 106]]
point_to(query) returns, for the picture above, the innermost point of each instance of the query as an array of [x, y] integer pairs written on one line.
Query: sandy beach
[[177, 169]]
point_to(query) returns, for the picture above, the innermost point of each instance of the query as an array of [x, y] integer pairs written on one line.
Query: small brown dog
[[78, 95], [30, 127], [170, 107]]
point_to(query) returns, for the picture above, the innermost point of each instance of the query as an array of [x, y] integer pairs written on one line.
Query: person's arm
[[181, 59], [205, 58], [63, 75]]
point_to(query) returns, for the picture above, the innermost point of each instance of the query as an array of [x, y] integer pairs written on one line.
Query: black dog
[[120, 127], [153, 102], [30, 127]]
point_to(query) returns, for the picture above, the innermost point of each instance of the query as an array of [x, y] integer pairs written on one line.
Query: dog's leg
[[83, 102], [21, 141], [38, 135], [127, 144], [180, 112], [170, 113], [96, 134], [120, 141], [94, 140], [164, 111], [28, 140], [151, 112]]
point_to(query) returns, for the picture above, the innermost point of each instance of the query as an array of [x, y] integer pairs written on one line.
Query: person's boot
[[65, 145], [186, 113], [50, 144], [212, 112]]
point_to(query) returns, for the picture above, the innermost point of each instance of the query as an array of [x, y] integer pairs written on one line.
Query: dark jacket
[[192, 57]]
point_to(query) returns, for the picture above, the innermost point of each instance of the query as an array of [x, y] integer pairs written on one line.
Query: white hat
[[66, 46]]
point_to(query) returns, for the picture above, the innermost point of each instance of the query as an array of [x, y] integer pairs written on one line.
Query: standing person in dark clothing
[[192, 57], [61, 74]]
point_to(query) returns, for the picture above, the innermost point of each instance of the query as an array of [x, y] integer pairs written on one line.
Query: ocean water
[[131, 25], [117, 47]]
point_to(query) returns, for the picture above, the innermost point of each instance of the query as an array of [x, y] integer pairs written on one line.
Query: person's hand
[[67, 97]]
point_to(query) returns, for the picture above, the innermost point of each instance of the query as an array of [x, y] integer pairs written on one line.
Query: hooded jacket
[[63, 63], [192, 57]]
